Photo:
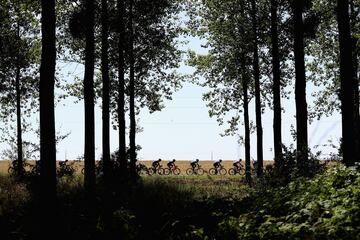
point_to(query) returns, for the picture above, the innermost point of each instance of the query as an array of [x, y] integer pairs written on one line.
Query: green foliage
[[325, 207]]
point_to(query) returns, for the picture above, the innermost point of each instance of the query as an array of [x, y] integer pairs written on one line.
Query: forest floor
[[195, 207]]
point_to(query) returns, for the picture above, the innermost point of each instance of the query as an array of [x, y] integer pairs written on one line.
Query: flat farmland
[[182, 164]]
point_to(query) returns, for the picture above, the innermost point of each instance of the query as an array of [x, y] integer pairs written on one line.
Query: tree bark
[[121, 89], [353, 20], [47, 113], [89, 178], [246, 119], [347, 83], [20, 164], [300, 88], [132, 95], [276, 84], [256, 69], [106, 90]]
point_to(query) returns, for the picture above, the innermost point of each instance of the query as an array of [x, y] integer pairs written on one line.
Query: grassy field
[[182, 164]]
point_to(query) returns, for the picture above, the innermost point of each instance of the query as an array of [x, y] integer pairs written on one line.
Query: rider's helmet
[[197, 160], [174, 160], [159, 160], [220, 160]]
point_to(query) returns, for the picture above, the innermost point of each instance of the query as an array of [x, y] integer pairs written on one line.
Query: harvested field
[[182, 164]]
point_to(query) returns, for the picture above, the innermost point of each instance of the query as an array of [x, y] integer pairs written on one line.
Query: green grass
[[195, 207]]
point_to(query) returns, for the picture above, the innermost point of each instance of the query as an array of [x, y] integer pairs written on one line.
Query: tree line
[[256, 49], [130, 52]]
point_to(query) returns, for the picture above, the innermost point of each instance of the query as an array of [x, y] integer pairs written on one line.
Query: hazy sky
[[183, 130]]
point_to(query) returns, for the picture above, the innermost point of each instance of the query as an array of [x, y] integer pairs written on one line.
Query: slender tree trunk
[[121, 101], [106, 90], [20, 163], [106, 118], [300, 88], [276, 84], [89, 179], [132, 95], [47, 113], [246, 118], [353, 20], [347, 83], [256, 68]]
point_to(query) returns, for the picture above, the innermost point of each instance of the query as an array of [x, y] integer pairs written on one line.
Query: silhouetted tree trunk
[[353, 20], [20, 164], [47, 113], [89, 178], [246, 118], [300, 87], [121, 90], [106, 90], [276, 83], [347, 83], [132, 94], [106, 117], [256, 68]]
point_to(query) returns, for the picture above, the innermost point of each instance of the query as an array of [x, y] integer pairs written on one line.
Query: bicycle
[[236, 170], [13, 168], [160, 170], [195, 171], [141, 169], [65, 169], [174, 170], [219, 170]]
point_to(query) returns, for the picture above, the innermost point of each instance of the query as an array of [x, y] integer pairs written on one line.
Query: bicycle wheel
[[222, 171], [212, 171], [200, 171], [11, 170], [231, 171], [167, 171], [189, 171], [176, 171], [161, 171], [150, 171]]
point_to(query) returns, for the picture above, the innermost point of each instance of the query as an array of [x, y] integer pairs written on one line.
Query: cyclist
[[63, 163], [171, 164], [217, 164], [237, 165], [195, 164], [156, 164]]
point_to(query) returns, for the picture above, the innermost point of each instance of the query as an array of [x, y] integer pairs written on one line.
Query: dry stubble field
[[182, 164]]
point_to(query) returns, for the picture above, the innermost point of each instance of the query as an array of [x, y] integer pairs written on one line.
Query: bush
[[326, 207]]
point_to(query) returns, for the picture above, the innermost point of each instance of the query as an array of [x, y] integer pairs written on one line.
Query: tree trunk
[[132, 95], [121, 90], [353, 20], [347, 83], [276, 84], [106, 90], [256, 69], [89, 178], [106, 118], [47, 113], [20, 164], [246, 119], [300, 88]]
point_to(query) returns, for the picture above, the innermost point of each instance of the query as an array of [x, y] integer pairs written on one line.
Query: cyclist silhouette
[[156, 164], [171, 164], [237, 164], [217, 164], [195, 164]]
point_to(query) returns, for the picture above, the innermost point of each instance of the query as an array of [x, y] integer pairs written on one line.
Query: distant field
[[182, 164]]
